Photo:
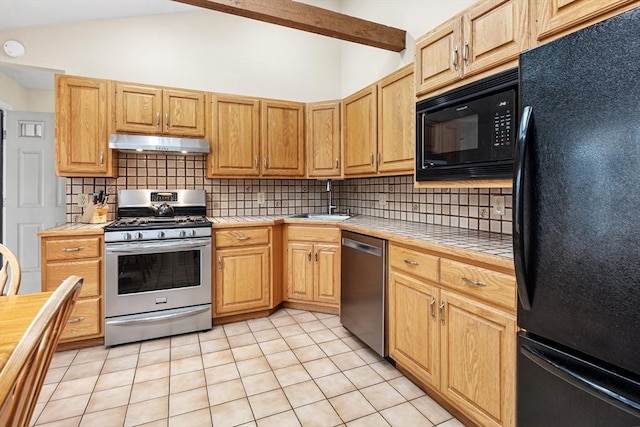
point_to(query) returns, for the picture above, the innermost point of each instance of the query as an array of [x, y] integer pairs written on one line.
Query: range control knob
[[126, 236], [182, 233], [193, 232], [138, 235], [160, 234]]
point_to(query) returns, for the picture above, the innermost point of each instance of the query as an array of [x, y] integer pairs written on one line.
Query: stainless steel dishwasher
[[363, 294]]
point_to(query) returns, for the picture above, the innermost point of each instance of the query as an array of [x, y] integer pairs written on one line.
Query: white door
[[34, 196]]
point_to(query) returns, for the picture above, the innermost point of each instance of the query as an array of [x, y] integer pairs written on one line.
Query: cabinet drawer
[[88, 247], [313, 234], [242, 237], [414, 262], [89, 270], [488, 285], [85, 319]]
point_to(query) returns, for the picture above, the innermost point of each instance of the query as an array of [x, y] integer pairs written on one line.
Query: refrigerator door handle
[[518, 209], [581, 377]]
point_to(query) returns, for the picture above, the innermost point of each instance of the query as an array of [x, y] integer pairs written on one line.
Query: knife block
[[94, 214]]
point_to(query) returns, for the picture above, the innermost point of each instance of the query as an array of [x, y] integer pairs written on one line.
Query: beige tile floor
[[295, 368]]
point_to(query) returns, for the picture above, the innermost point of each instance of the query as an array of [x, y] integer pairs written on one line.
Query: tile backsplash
[[464, 208]]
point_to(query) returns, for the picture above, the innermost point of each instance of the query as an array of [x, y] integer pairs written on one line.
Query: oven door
[[147, 276]]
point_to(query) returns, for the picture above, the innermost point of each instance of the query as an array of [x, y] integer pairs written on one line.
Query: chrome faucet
[[332, 207]]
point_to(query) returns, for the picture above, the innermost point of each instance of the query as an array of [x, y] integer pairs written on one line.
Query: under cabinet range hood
[[158, 144]]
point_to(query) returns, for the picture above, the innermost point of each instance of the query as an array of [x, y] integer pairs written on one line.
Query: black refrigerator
[[577, 229]]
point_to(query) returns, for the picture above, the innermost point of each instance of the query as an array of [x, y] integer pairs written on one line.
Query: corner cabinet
[[242, 264], [81, 255], [82, 127], [490, 34], [150, 110], [323, 140], [451, 325], [313, 265], [378, 127]]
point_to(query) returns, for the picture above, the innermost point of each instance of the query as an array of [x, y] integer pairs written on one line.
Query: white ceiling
[[31, 13]]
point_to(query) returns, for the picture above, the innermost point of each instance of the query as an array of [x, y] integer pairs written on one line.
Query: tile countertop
[[492, 248]]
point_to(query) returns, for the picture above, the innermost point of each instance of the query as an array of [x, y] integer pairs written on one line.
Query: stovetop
[[156, 223]]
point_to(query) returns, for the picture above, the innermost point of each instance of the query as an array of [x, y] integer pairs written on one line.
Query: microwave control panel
[[503, 126]]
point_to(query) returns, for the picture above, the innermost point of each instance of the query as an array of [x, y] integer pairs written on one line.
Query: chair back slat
[[23, 375], [10, 265]]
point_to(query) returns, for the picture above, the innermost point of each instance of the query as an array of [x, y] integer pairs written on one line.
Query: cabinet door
[[495, 32], [300, 271], [235, 136], [555, 18], [138, 108], [396, 107], [438, 57], [414, 328], [282, 139], [478, 360], [323, 139], [184, 113], [82, 127], [360, 132], [242, 280], [327, 274]]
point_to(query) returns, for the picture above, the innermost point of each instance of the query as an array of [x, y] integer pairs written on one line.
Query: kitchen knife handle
[[518, 208]]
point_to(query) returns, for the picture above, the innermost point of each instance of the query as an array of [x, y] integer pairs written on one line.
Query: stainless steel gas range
[[157, 266]]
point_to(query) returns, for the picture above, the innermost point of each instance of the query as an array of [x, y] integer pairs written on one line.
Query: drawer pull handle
[[220, 263], [409, 262], [75, 320], [75, 249], [242, 238], [432, 307], [309, 256], [473, 282], [441, 309]]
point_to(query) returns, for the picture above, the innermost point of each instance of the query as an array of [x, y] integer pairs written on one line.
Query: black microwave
[[469, 132]]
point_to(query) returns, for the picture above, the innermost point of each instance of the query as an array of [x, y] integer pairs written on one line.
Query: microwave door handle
[[518, 208], [422, 129]]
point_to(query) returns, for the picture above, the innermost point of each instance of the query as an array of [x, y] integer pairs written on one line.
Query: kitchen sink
[[323, 216]]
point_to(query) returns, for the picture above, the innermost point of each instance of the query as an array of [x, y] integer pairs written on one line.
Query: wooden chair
[[22, 377], [11, 265]]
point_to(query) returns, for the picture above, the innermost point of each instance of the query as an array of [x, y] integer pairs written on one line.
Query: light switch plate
[[262, 199], [382, 199], [498, 205]]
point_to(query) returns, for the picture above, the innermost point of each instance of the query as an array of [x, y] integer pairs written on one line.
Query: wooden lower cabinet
[[461, 348], [81, 255], [242, 280], [243, 270], [313, 265]]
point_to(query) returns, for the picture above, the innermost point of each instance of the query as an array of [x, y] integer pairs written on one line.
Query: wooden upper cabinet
[[494, 33], [323, 140], [396, 131], [488, 35], [437, 57], [552, 19], [282, 138], [360, 132], [151, 110], [234, 137], [82, 127]]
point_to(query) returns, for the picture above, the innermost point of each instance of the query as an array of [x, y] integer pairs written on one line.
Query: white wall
[[12, 94], [217, 52], [363, 65], [203, 50]]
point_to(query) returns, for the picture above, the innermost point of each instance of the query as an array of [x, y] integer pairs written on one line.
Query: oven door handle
[[159, 317], [157, 247]]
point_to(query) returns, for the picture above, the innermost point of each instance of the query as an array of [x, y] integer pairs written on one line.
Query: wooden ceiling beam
[[310, 18]]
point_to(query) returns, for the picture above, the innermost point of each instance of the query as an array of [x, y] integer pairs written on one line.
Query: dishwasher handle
[[362, 247]]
